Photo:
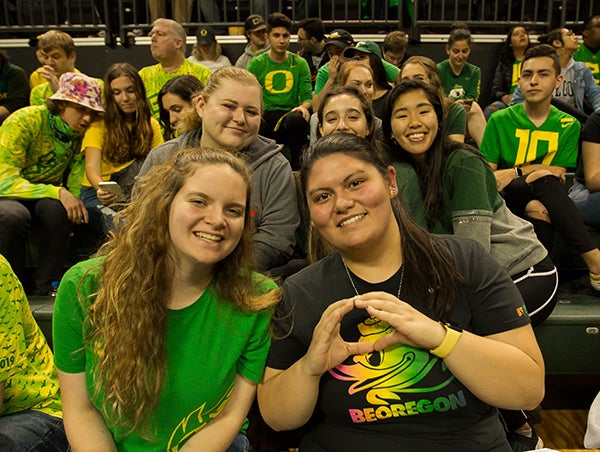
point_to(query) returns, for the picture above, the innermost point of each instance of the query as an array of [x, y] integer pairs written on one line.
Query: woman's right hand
[[327, 348], [106, 197]]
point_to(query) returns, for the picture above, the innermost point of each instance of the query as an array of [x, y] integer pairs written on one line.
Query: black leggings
[[565, 218]]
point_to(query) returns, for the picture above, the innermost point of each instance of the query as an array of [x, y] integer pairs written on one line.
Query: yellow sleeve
[[94, 136], [157, 137]]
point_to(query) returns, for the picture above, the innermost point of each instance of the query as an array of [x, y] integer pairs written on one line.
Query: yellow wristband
[[448, 344]]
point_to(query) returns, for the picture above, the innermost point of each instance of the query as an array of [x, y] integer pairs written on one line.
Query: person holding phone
[[161, 341], [115, 146]]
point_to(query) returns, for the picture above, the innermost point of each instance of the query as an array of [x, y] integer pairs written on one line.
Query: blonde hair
[[231, 73], [56, 39], [214, 53], [128, 319]]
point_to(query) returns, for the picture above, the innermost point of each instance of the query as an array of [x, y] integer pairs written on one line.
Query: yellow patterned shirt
[[26, 363], [154, 77]]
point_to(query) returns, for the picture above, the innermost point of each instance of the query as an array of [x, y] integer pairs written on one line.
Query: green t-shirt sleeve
[[474, 88], [305, 82], [410, 192], [322, 77], [568, 143], [251, 363], [457, 120], [69, 317], [490, 144]]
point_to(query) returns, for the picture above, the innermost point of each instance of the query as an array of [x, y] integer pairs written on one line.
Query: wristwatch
[[453, 334]]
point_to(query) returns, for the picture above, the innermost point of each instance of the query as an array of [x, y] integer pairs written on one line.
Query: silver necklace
[[356, 290]]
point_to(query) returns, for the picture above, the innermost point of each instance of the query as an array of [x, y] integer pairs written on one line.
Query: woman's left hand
[[105, 197], [411, 326]]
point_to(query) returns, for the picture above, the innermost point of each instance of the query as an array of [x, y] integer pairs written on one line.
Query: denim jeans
[[101, 216], [34, 431], [240, 444], [587, 203]]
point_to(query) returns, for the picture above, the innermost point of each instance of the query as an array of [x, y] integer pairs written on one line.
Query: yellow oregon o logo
[[270, 78], [203, 32]]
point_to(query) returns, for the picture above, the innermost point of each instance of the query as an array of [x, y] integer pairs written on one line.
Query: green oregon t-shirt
[[208, 343], [26, 364], [284, 85], [465, 85], [511, 139]]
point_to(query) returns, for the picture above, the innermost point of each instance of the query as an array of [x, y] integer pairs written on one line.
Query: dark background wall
[[94, 60]]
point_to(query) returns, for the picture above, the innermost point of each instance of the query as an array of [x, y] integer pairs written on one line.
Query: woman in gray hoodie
[[227, 116]]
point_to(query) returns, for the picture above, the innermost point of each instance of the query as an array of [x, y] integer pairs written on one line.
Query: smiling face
[[177, 107], [349, 202], [361, 78], [458, 54], [344, 113], [230, 116], [123, 93], [415, 71], [76, 116], [414, 124], [206, 217]]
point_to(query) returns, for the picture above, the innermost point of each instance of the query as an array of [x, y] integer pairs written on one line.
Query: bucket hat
[[79, 89]]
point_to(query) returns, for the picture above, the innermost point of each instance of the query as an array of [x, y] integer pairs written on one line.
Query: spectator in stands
[[461, 80], [578, 87], [183, 323], [115, 146], [176, 101], [207, 50], [228, 117], [395, 45], [370, 333], [36, 78], [311, 37], [529, 147], [589, 49], [37, 145], [30, 407], [168, 48], [425, 70], [14, 87], [286, 87], [508, 69], [255, 30], [370, 52], [585, 192], [459, 196], [59, 50], [335, 44]]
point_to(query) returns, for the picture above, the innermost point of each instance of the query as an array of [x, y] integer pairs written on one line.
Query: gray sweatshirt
[[274, 206]]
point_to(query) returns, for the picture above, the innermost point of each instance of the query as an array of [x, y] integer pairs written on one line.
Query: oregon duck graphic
[[384, 375]]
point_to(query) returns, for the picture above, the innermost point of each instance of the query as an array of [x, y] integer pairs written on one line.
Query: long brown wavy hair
[[128, 319], [123, 141]]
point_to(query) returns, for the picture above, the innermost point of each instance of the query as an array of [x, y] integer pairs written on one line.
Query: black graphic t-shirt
[[401, 398]]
